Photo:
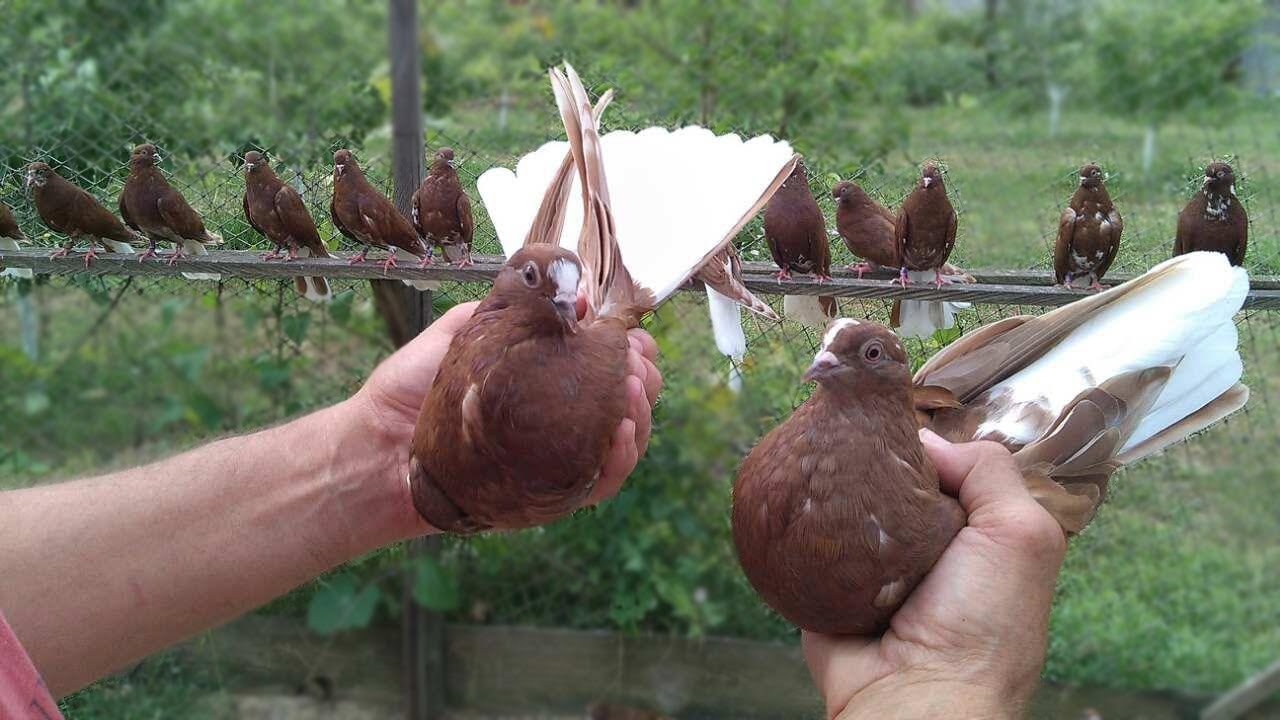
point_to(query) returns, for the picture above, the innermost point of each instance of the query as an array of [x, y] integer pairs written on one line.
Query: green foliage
[[342, 604], [434, 585]]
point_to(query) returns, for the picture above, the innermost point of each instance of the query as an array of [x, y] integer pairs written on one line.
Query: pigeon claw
[[425, 261], [148, 253], [389, 263], [273, 255], [822, 278], [89, 256], [860, 268], [901, 279], [60, 252], [175, 256], [782, 275], [359, 257]]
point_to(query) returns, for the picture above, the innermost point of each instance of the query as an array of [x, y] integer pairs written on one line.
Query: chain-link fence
[[102, 370]]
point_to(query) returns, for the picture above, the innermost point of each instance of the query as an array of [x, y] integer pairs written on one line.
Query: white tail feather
[[1183, 319], [119, 247], [402, 254], [667, 222], [726, 325], [195, 247], [805, 309], [313, 292], [921, 319]]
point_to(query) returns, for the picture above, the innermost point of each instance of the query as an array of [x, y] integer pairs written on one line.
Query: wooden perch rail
[[996, 287]]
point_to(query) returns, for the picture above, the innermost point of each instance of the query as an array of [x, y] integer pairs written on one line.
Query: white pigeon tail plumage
[[922, 318], [677, 199], [7, 243], [1097, 384]]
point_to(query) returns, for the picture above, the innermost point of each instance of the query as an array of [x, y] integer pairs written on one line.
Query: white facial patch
[[566, 276], [834, 330]]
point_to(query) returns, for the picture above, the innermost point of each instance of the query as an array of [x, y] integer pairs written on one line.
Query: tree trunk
[[1148, 148]]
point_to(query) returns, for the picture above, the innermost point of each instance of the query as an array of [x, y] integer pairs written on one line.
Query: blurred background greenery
[[1173, 585]]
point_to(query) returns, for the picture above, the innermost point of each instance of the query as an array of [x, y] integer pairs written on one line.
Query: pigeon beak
[[928, 181], [249, 166], [824, 363], [567, 309]]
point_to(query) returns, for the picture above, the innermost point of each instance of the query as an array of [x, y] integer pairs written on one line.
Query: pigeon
[[66, 208], [1215, 219], [522, 410], [150, 205], [275, 209], [442, 210], [1088, 234], [925, 234], [867, 228], [366, 216], [797, 236], [837, 513], [10, 236]]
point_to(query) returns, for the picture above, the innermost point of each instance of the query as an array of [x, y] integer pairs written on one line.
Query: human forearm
[[118, 566]]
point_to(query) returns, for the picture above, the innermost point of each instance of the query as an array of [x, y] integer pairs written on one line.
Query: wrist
[[366, 472], [911, 695]]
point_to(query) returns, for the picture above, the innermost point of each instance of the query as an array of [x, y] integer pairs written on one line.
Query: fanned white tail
[[11, 244], [677, 197], [726, 325], [921, 319], [805, 309], [1183, 319]]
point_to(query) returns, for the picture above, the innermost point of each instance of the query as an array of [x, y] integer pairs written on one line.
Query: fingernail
[[929, 437]]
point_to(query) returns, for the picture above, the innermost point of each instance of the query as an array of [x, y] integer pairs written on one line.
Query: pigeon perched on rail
[[366, 216], [66, 208], [796, 233], [442, 211], [1214, 219], [925, 235], [150, 205], [1088, 233], [837, 513], [276, 210]]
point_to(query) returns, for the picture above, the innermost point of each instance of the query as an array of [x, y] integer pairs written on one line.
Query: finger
[[977, 473], [648, 346], [652, 383], [841, 666], [639, 412], [619, 462]]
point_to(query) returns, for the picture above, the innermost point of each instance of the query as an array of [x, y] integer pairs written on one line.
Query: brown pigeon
[[837, 513], [276, 211], [521, 413], [867, 227], [1088, 233], [66, 208], [797, 235], [150, 205], [366, 216], [925, 234], [442, 211], [10, 236], [1215, 219]]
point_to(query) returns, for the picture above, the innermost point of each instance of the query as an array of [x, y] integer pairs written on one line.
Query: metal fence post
[[423, 630]]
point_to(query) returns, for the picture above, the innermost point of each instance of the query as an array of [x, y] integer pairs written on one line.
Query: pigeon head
[[145, 155], [846, 191], [860, 354], [930, 176], [543, 279], [1091, 176], [38, 174], [444, 156], [343, 161], [1219, 177], [253, 160]]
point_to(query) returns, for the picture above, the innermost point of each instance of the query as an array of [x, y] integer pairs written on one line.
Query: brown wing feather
[[297, 222], [548, 223], [466, 225], [179, 216], [1062, 246], [1112, 235]]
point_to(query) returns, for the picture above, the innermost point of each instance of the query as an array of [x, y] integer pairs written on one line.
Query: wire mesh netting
[[101, 370]]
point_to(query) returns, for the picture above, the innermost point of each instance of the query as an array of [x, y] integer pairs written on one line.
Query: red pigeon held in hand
[[10, 236], [66, 208], [442, 211], [150, 205], [797, 235], [276, 211], [521, 414], [1088, 234], [1215, 219], [366, 216], [837, 513]]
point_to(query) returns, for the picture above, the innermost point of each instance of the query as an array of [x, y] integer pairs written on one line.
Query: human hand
[[392, 398], [970, 640]]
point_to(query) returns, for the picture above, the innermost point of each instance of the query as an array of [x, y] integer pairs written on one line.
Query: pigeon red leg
[[389, 263], [782, 275], [273, 255], [822, 278], [466, 258], [359, 257], [939, 279], [176, 255], [90, 255], [902, 278], [60, 252], [150, 251], [861, 267], [1095, 285]]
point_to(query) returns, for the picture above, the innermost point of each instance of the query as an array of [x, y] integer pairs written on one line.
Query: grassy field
[[1169, 588]]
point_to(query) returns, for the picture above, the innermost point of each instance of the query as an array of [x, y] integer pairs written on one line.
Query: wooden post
[[422, 630]]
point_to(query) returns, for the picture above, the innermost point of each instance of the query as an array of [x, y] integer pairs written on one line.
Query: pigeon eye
[[530, 275], [1221, 174], [873, 351]]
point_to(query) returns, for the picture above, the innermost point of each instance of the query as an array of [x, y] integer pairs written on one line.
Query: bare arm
[[99, 572]]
